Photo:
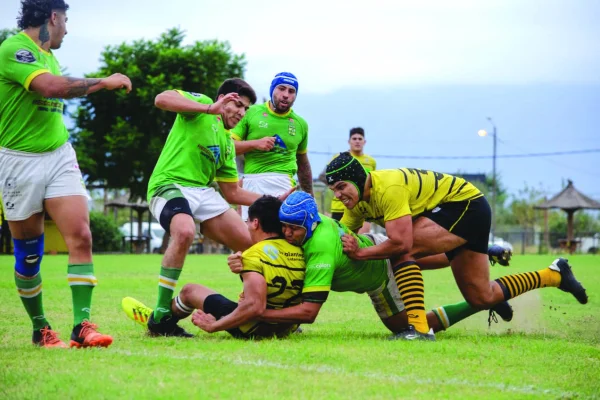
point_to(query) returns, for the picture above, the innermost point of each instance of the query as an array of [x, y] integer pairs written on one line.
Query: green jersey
[[198, 151], [328, 268], [290, 130], [29, 121]]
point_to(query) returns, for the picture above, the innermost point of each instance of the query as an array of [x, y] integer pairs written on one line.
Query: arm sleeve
[[228, 171], [320, 266], [20, 64], [251, 262], [352, 219], [303, 145], [395, 202]]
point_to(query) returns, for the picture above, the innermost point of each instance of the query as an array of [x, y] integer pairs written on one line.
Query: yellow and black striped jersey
[[407, 191], [282, 266]]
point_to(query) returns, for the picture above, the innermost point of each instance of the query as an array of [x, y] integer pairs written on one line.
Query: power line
[[525, 155]]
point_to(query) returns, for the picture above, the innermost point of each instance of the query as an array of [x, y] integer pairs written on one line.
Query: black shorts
[[220, 306], [337, 215], [469, 219]]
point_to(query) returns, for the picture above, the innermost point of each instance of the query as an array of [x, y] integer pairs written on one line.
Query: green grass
[[550, 350]]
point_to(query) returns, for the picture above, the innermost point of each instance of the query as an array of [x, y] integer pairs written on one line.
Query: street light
[[483, 133]]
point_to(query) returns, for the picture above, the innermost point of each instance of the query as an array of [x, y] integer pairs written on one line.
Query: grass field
[[550, 350]]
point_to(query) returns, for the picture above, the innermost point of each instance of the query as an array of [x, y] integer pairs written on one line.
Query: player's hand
[[350, 246], [285, 195], [235, 262], [218, 106], [204, 321], [265, 144], [117, 81]]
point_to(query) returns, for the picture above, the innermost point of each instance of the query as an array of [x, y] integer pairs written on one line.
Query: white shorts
[[27, 179], [268, 183], [386, 299], [205, 203]]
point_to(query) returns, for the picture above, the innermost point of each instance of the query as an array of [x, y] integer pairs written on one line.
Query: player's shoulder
[[256, 110], [299, 120], [20, 47]]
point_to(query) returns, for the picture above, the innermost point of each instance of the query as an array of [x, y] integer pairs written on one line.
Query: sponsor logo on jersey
[[9, 205], [25, 56], [320, 266], [435, 210], [271, 251], [263, 124]]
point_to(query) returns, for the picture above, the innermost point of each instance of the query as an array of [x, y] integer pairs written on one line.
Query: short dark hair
[[35, 12], [356, 130], [266, 210], [239, 86]]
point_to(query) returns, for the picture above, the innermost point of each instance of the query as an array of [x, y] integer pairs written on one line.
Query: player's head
[[299, 216], [235, 110], [346, 177], [283, 91], [263, 215], [357, 140], [48, 15]]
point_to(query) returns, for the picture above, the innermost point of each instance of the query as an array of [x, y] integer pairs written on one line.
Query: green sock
[[30, 291], [82, 281], [453, 313], [166, 286]]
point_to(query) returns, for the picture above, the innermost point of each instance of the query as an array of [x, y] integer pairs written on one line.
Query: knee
[[80, 239], [184, 235], [28, 256], [481, 300], [185, 291]]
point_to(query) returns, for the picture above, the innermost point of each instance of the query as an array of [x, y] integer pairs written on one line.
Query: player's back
[[328, 267], [426, 189], [283, 268]]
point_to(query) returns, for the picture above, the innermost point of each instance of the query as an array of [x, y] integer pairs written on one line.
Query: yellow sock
[[515, 285], [409, 279]]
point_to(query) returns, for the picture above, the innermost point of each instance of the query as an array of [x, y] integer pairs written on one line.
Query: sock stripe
[[182, 307], [414, 296], [539, 279], [30, 292], [521, 283], [515, 281], [409, 277], [510, 285], [442, 316], [88, 280], [167, 282], [406, 290], [529, 280]]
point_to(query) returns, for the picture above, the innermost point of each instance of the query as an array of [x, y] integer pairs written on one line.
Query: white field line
[[341, 371]]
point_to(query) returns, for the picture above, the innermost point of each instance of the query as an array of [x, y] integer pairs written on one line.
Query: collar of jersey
[[288, 112], [36, 45]]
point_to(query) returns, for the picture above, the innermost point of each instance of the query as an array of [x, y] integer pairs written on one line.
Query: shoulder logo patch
[[271, 251], [25, 56]]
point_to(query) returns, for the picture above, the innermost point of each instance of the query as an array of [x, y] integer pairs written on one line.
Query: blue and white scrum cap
[[300, 209], [283, 78]]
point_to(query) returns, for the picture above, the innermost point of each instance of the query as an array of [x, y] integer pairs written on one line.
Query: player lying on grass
[[272, 276], [329, 269], [424, 213]]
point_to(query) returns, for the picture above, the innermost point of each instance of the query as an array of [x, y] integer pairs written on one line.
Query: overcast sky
[[373, 48]]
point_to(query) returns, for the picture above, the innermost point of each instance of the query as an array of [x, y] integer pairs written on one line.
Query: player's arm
[[66, 87], [249, 308], [304, 173], [244, 146], [303, 313], [399, 232], [234, 194], [174, 101]]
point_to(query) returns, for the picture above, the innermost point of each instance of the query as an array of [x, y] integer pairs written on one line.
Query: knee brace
[[28, 255]]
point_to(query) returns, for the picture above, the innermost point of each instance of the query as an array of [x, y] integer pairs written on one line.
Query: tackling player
[[38, 167], [274, 140], [272, 274], [425, 213], [328, 268]]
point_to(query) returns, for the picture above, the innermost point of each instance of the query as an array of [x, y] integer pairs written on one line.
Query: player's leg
[[65, 200], [338, 216], [173, 209], [228, 229], [22, 181], [273, 184], [190, 298]]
